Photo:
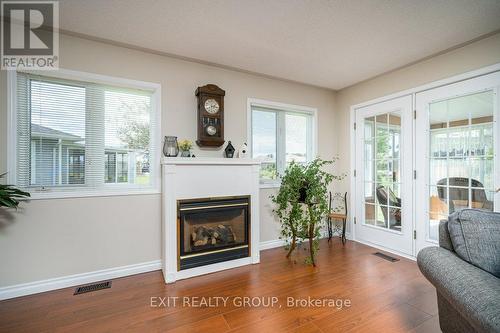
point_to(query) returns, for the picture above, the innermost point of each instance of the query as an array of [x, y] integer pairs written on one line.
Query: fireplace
[[212, 230], [193, 191]]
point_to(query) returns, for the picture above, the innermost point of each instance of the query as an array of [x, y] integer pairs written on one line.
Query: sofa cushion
[[475, 235]]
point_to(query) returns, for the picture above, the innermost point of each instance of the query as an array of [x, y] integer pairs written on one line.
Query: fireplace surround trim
[[194, 178]]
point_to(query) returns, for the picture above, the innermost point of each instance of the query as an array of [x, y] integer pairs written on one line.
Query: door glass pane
[[370, 171], [370, 192], [438, 171], [461, 156], [381, 216], [369, 150], [383, 171], [370, 214], [369, 128], [395, 218], [394, 171]]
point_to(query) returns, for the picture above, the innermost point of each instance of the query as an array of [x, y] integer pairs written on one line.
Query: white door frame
[[394, 240], [474, 85], [413, 92]]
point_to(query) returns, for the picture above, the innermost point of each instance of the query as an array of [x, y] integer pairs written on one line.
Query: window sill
[[39, 195]]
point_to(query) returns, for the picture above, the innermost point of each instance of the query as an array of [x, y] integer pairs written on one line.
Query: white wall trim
[[274, 243], [41, 286], [386, 249], [77, 279], [271, 244]]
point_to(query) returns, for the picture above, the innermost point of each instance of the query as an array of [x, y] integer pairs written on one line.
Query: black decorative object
[[303, 193], [229, 151]]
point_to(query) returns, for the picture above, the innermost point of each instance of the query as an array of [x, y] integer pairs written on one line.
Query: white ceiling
[[331, 44]]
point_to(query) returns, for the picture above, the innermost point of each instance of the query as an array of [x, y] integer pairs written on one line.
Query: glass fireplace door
[[212, 230]]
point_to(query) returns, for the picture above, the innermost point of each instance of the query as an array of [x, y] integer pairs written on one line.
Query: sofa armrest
[[473, 292], [444, 235]]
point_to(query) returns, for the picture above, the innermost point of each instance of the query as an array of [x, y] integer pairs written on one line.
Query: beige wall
[[52, 238], [473, 56]]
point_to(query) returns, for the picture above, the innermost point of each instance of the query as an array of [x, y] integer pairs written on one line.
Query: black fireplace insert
[[212, 230]]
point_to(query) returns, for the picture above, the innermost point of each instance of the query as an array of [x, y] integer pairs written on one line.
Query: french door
[[457, 148], [384, 154], [415, 169]]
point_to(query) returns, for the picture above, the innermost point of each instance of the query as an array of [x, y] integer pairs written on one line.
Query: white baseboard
[[77, 279], [386, 249], [90, 277], [271, 244]]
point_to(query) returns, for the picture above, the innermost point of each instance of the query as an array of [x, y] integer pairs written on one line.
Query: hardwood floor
[[384, 297]]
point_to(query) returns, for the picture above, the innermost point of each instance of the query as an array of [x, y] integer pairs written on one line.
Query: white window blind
[[280, 136], [81, 136]]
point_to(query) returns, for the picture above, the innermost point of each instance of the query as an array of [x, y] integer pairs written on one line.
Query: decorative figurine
[[229, 151], [243, 151]]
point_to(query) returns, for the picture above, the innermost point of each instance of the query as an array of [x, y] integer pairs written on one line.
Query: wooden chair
[[332, 216]]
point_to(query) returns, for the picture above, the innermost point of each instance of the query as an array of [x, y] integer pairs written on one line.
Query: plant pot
[[185, 153], [303, 193]]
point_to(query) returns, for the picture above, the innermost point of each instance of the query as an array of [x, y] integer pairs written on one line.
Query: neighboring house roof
[[50, 133], [39, 131]]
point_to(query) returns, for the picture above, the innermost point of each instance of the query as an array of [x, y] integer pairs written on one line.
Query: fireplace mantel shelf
[[208, 161]]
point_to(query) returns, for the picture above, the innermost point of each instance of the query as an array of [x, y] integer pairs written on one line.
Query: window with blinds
[[280, 136], [81, 136]]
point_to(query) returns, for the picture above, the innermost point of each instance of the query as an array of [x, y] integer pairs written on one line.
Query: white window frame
[[281, 109], [107, 189]]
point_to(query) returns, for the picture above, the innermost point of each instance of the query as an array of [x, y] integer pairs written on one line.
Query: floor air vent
[[385, 256], [92, 287]]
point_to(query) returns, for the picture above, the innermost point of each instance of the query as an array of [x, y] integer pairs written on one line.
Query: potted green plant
[[185, 147], [10, 196], [288, 207], [302, 204]]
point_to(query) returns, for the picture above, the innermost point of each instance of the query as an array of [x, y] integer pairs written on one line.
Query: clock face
[[211, 130], [211, 106]]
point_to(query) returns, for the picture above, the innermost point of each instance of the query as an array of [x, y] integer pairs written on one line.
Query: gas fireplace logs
[[209, 235]]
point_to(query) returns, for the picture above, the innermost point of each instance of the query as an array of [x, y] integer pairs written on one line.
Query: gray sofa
[[465, 269]]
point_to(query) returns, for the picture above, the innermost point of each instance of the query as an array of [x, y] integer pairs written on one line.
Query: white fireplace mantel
[[196, 178]]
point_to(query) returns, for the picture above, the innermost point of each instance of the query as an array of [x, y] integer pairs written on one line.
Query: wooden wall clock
[[210, 116]]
